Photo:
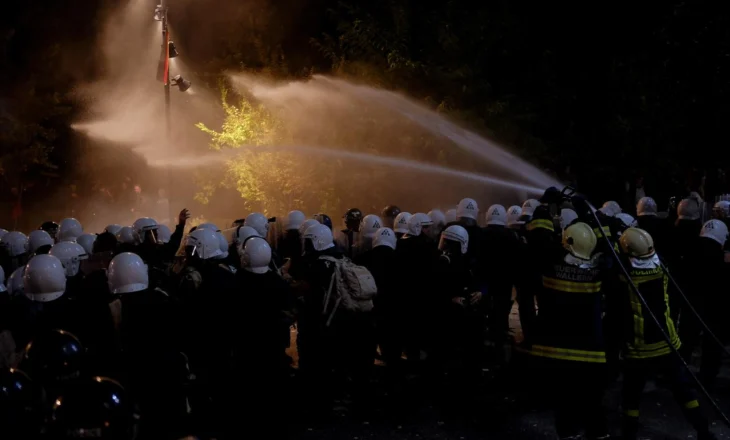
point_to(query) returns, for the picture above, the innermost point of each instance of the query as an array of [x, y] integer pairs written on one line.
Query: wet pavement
[[427, 410]]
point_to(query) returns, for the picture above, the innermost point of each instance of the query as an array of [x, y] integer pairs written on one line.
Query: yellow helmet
[[637, 243], [579, 240]]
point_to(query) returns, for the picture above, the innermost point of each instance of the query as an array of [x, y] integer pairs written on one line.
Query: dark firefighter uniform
[[646, 351], [565, 340]]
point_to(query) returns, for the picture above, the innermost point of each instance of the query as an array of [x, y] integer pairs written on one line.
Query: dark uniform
[[646, 351], [566, 339]]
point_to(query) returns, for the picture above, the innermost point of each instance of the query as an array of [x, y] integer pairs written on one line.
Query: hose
[[645, 305]]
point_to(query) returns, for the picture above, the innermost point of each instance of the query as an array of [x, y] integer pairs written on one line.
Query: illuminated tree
[[268, 178]]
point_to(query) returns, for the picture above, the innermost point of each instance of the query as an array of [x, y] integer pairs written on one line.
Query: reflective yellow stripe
[[541, 224], [632, 412], [599, 232], [645, 351], [569, 354], [571, 286], [692, 404]]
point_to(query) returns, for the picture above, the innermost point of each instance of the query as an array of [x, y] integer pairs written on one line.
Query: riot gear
[[259, 222], [44, 278], [69, 230], [37, 239], [294, 220], [53, 355], [646, 206], [256, 255], [127, 273], [70, 254], [456, 234]]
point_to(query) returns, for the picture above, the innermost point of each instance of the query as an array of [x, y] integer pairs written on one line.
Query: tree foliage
[[269, 179]]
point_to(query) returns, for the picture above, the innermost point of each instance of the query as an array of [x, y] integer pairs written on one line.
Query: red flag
[[166, 76]]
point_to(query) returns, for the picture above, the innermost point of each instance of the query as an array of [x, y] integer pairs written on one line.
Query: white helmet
[[259, 222], [113, 229], [627, 219], [567, 216], [2, 280], [208, 225], [321, 237], [497, 215], [369, 224], [37, 239], [438, 217], [723, 208], [528, 208], [163, 234], [44, 278], [87, 242], [144, 224], [401, 222], [15, 282], [417, 222], [716, 230], [294, 220], [15, 242], [70, 254], [467, 208], [513, 216], [455, 233], [205, 243], [610, 208], [256, 255], [3, 232], [127, 273], [127, 235], [223, 244], [69, 229], [688, 209], [384, 237], [243, 232], [307, 223], [646, 206], [450, 216]]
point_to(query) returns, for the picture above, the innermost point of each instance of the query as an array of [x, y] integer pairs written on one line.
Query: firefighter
[[566, 339], [645, 349]]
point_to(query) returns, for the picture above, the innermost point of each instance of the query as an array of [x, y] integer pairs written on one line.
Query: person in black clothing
[[257, 316], [148, 338], [348, 238], [417, 254], [710, 273], [329, 339], [500, 247], [648, 220], [462, 336], [45, 306], [680, 254], [290, 245], [388, 215], [390, 306]]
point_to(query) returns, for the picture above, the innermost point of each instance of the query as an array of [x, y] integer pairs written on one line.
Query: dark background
[[600, 94]]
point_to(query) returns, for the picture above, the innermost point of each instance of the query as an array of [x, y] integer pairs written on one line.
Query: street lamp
[[172, 50], [181, 83]]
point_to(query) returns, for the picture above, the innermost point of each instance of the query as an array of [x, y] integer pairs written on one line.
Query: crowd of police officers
[[145, 332]]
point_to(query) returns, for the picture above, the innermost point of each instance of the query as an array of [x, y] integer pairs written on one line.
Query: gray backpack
[[352, 288]]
